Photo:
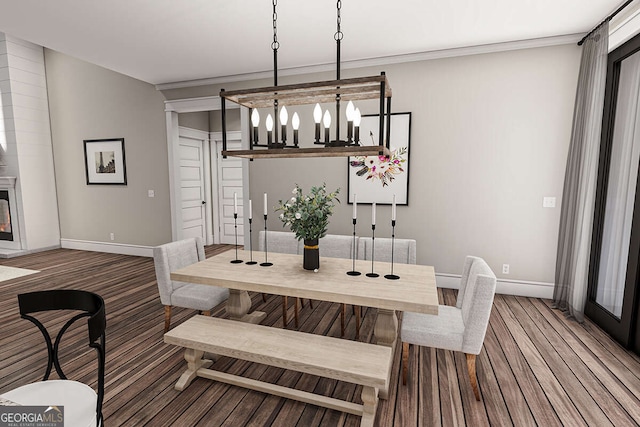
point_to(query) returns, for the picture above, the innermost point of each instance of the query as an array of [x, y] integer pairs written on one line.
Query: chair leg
[[207, 313], [311, 304], [264, 298], [342, 315], [405, 362], [167, 318], [357, 310], [295, 312], [284, 312], [471, 367]]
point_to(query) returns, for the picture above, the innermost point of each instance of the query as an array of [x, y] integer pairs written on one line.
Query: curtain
[[621, 189], [576, 216]]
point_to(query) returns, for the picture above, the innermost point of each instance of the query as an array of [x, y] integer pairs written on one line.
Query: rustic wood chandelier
[[323, 92]]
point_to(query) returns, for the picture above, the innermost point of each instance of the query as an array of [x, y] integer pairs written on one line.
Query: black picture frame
[[375, 192], [105, 162]]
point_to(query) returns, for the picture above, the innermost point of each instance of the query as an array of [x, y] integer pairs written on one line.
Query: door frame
[[215, 138], [607, 321], [193, 105]]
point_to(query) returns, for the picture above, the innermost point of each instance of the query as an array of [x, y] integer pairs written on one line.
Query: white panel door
[[230, 182], [192, 188]]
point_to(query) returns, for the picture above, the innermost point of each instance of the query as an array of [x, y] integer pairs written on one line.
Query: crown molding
[[380, 61]]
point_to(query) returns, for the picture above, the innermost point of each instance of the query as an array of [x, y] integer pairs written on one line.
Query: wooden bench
[[350, 361]]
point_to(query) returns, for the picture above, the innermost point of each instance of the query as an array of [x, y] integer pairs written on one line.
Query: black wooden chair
[[82, 404]]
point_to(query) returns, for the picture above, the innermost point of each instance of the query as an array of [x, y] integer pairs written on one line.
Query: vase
[[311, 255]]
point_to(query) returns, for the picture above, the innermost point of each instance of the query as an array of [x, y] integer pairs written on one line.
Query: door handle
[[204, 203]]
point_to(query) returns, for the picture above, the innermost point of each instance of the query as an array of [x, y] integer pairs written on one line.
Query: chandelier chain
[[338, 35], [276, 44]]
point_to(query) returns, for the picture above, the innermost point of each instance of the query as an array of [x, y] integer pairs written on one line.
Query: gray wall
[[198, 120], [90, 102], [489, 140]]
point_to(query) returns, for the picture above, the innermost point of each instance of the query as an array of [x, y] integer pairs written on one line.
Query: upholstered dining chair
[[174, 256], [404, 252], [283, 242], [460, 328], [82, 404]]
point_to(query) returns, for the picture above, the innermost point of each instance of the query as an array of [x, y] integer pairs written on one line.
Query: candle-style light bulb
[[269, 124], [284, 117], [357, 118], [295, 123], [350, 116], [327, 125], [317, 117], [255, 121]]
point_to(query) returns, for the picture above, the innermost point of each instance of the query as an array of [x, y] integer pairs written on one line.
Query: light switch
[[152, 193], [549, 202]]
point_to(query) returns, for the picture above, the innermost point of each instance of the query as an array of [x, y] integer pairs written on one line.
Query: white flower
[[298, 215], [294, 191], [287, 205], [307, 199], [293, 200], [281, 216]]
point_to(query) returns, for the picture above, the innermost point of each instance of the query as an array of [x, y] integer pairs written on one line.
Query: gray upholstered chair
[[173, 256], [460, 328], [283, 242], [404, 252]]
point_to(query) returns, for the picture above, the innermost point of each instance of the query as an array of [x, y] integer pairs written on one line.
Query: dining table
[[414, 290]]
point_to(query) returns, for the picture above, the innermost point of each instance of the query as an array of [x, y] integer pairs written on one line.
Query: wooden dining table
[[414, 291]]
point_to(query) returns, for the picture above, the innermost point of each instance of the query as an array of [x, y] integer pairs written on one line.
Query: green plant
[[308, 215]]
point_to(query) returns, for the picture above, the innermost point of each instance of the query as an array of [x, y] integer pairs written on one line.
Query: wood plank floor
[[536, 368]]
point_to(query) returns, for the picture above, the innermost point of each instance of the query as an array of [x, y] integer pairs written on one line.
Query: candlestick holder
[[373, 251], [353, 271], [393, 241], [266, 262], [252, 262], [235, 227]]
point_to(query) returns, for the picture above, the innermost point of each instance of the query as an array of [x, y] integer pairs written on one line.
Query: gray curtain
[[576, 217]]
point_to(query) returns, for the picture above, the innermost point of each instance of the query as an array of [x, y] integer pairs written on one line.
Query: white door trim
[[191, 105]]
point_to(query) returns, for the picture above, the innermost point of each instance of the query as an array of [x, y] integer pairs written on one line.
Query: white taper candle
[[373, 214], [393, 208], [235, 203], [265, 203], [250, 210], [355, 206]]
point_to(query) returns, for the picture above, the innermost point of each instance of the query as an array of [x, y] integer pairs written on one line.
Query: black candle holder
[[353, 271], [373, 250], [266, 262], [393, 241], [252, 262], [235, 227]]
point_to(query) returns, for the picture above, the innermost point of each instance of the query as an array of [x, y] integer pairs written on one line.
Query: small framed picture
[[104, 161]]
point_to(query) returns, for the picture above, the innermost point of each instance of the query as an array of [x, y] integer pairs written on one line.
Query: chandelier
[[334, 92]]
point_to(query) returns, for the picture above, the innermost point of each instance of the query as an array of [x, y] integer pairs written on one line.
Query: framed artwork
[[104, 161], [377, 178]]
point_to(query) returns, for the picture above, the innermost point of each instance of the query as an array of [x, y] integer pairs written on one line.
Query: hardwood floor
[[536, 368]]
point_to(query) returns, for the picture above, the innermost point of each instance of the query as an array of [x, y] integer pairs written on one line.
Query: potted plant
[[308, 217]]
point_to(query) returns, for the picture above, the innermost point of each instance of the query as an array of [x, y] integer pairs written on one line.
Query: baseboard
[[504, 286], [12, 253], [112, 248]]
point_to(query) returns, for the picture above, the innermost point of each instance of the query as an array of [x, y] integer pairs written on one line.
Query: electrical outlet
[[548, 202], [112, 236], [505, 268]]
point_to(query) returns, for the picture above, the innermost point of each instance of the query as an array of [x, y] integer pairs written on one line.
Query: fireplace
[[6, 233]]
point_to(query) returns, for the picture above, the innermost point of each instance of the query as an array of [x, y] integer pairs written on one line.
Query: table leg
[[386, 331], [238, 306]]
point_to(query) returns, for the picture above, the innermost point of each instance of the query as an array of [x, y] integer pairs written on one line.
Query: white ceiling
[[162, 41]]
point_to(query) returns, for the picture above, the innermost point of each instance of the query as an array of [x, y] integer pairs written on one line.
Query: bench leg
[[369, 407], [194, 362], [386, 331]]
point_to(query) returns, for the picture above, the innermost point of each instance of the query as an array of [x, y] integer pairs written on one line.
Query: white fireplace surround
[[8, 183]]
